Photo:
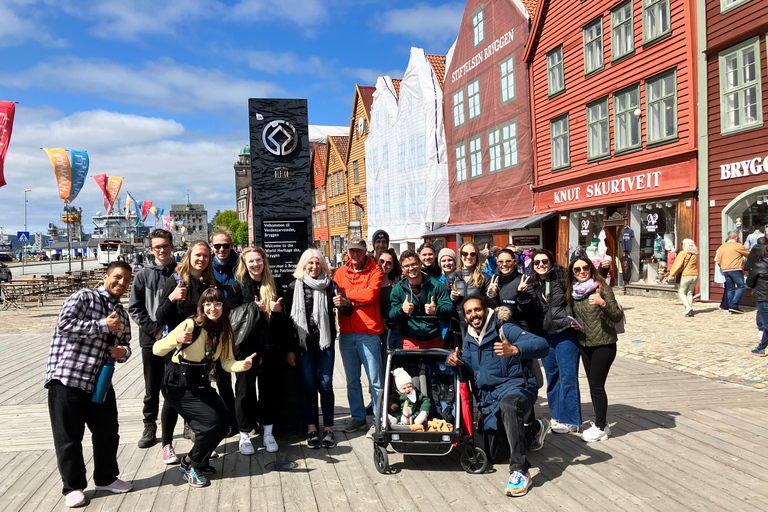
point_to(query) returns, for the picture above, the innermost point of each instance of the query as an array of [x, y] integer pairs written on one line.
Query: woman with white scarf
[[309, 300]]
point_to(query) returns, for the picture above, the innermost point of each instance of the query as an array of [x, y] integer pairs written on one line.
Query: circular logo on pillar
[[279, 137]]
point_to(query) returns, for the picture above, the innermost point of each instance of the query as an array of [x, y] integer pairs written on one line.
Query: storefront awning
[[497, 225]]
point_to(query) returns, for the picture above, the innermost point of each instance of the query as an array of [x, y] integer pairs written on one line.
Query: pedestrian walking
[[686, 264], [730, 257], [757, 279]]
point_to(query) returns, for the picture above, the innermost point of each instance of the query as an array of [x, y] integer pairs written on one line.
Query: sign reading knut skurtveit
[[281, 180]]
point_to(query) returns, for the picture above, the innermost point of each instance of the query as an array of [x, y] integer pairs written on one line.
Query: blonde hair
[[305, 257], [476, 277], [221, 231], [184, 268], [267, 290], [689, 246]]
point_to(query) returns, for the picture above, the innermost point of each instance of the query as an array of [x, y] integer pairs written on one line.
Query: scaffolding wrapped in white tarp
[[406, 164]]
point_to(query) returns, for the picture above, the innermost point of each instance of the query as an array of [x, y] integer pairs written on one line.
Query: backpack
[[443, 392]]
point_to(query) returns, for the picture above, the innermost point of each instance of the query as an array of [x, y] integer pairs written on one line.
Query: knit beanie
[[446, 252], [380, 233], [401, 378]]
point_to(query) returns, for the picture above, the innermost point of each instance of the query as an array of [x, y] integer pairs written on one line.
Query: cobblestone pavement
[[712, 343]]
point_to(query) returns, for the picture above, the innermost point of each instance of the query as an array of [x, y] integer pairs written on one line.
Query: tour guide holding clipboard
[[92, 327]]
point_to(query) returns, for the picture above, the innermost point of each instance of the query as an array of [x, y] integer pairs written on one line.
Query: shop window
[[658, 242], [412, 153], [661, 107], [656, 20], [421, 205], [403, 194], [561, 156], [412, 199], [740, 87], [507, 73], [598, 132], [478, 26], [593, 46], [555, 71], [622, 31], [401, 157], [476, 157], [473, 99], [421, 148], [588, 224], [461, 163], [458, 108], [386, 198], [751, 210], [728, 5]]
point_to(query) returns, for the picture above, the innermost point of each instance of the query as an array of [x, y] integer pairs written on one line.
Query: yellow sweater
[[691, 262], [730, 256], [195, 351]]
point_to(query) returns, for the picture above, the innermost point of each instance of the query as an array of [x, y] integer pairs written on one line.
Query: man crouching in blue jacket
[[495, 356]]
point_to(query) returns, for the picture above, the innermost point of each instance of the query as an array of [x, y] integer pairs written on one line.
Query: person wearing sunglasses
[[390, 268], [596, 312], [548, 284], [469, 280]]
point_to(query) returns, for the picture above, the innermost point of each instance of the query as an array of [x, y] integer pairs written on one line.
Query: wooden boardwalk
[[680, 442]]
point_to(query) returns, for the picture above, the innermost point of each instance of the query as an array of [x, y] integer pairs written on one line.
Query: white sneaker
[[74, 498], [593, 433], [245, 444], [562, 428], [270, 444]]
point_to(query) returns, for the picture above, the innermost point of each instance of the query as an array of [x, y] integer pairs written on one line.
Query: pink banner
[[110, 187], [145, 207], [7, 112]]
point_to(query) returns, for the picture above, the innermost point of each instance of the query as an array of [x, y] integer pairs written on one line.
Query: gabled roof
[[342, 143], [366, 94], [321, 151], [396, 83], [537, 25], [438, 65], [530, 6]]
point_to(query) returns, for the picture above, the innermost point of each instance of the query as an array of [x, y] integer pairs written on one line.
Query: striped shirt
[[80, 341]]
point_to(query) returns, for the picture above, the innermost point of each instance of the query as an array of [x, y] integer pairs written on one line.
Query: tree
[[241, 235], [225, 218]]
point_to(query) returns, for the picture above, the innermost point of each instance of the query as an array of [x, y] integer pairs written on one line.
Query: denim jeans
[[356, 350], [734, 284], [562, 368], [762, 320], [317, 376]]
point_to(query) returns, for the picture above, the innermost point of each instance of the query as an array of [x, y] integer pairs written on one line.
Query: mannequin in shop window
[[627, 235], [603, 262], [753, 237]]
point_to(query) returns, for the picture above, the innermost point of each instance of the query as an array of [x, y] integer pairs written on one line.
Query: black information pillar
[[282, 212]]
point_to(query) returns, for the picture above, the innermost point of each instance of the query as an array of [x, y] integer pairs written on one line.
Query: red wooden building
[[734, 167], [614, 123], [319, 201]]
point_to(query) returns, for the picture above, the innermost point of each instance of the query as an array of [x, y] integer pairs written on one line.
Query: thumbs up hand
[[504, 348], [408, 307], [276, 306], [339, 300], [113, 323], [431, 307], [248, 362], [179, 293], [486, 251], [454, 360]]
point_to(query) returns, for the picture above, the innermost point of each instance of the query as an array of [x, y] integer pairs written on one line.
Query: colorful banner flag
[[136, 208], [146, 206], [7, 112], [158, 214], [128, 202], [110, 187], [167, 221], [79, 163], [61, 168]]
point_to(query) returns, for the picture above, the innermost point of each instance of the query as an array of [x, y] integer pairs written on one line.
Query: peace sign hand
[[261, 304], [454, 291], [523, 286], [493, 288]]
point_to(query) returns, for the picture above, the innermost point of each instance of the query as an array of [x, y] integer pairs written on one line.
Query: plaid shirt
[[80, 341]]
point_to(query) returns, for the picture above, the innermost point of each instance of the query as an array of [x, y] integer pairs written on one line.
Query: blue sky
[[156, 90]]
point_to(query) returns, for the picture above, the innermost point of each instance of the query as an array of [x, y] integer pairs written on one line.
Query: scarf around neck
[[581, 290], [319, 309]]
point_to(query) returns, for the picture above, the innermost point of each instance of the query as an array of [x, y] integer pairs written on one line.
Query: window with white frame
[[656, 20], [421, 148], [727, 5], [461, 162], [421, 206], [626, 114], [476, 157], [333, 217], [386, 198], [598, 132], [561, 151], [325, 218], [412, 153], [509, 144], [356, 172], [478, 26], [322, 192], [412, 199], [593, 46], [341, 175], [507, 73], [458, 108], [473, 99], [661, 107], [740, 87], [494, 150], [403, 194], [401, 157], [385, 157], [622, 31], [555, 71]]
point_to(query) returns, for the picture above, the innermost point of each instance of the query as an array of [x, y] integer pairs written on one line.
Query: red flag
[[7, 111], [101, 180], [145, 206]]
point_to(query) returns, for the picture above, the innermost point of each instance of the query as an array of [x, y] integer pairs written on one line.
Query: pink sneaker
[[117, 487], [75, 498], [169, 456]]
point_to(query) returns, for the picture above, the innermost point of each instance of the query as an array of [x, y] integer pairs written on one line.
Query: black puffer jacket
[[757, 279], [172, 313], [273, 335], [525, 309], [466, 291], [554, 304]]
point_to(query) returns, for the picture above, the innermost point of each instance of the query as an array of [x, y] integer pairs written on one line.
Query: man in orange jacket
[[359, 283]]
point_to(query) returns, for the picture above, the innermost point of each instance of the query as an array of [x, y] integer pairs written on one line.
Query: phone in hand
[[575, 321]]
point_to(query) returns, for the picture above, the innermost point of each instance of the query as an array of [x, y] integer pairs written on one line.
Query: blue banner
[[137, 207], [79, 163], [158, 215]]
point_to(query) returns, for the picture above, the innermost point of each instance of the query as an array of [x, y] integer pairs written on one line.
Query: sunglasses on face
[[468, 254], [222, 246], [386, 263], [541, 263], [158, 248], [214, 305], [579, 270], [505, 262]]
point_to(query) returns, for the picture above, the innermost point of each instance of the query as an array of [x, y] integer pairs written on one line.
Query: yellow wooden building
[[337, 193], [359, 127]]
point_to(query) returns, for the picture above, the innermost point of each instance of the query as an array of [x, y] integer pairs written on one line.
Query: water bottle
[[103, 381]]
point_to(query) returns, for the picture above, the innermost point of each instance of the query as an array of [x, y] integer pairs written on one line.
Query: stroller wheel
[[380, 458], [473, 460]]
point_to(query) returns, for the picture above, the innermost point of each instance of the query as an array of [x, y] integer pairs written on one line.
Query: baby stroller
[[456, 410]]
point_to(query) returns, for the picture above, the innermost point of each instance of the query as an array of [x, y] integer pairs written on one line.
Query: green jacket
[[598, 323], [422, 404], [419, 325]]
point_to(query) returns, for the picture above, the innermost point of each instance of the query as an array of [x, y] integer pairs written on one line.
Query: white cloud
[[21, 21], [162, 83], [303, 13], [279, 63], [128, 19], [429, 23], [157, 158]]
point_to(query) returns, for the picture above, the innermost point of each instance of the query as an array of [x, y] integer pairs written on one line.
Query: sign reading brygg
[[744, 168]]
